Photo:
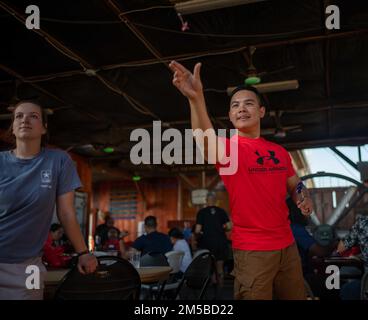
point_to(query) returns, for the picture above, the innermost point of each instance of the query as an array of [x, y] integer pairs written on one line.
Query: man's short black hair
[[249, 88], [176, 233], [150, 222]]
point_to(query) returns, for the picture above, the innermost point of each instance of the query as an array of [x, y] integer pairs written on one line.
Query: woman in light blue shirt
[[33, 181]]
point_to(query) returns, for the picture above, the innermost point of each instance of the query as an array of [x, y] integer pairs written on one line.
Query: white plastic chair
[[174, 258]]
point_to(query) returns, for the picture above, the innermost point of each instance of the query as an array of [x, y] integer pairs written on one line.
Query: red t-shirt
[[53, 255], [112, 244], [257, 193]]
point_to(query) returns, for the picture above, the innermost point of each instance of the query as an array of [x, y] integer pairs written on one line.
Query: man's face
[[211, 201], [245, 110], [110, 223], [58, 234]]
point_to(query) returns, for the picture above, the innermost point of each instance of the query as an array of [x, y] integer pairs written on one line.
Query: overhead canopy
[[102, 66]]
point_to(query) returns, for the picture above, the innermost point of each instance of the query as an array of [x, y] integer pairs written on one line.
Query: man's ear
[[262, 111]]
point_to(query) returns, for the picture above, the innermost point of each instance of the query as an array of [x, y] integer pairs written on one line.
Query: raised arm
[[190, 85]]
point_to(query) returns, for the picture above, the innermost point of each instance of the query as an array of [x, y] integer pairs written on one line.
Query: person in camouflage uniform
[[358, 236]]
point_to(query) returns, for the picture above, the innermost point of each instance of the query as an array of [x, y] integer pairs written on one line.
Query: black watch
[[83, 253]]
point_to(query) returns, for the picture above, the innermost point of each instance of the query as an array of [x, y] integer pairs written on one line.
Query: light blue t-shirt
[[182, 245], [28, 192]]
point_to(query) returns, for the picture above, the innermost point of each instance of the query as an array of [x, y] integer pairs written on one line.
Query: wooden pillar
[[179, 211], [203, 179]]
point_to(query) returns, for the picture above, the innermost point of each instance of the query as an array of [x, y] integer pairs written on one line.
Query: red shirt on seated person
[[53, 253], [115, 242]]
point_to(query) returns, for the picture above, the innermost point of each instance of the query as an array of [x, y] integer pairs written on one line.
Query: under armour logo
[[271, 156]]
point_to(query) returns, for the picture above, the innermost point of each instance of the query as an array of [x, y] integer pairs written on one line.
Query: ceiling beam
[[322, 143], [86, 66], [195, 6], [221, 119], [44, 91], [194, 55], [344, 157], [124, 18]]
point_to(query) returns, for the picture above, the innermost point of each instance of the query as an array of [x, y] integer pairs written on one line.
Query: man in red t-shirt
[[266, 260]]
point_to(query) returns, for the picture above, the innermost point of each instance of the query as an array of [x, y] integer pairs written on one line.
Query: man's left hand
[[306, 206]]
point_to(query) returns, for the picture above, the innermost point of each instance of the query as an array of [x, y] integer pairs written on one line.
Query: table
[[154, 274], [147, 275], [52, 280], [54, 276]]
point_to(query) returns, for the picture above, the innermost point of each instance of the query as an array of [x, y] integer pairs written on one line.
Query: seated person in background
[[152, 241], [52, 252], [187, 231], [308, 248], [102, 230], [307, 245], [114, 242], [180, 244], [358, 235]]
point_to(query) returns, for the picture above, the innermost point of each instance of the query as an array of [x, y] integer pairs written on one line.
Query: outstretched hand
[[189, 84]]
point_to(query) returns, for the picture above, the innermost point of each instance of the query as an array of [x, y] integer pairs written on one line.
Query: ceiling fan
[[254, 78]]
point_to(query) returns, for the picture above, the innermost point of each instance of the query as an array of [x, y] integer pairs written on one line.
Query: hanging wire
[[207, 54], [232, 36], [197, 34]]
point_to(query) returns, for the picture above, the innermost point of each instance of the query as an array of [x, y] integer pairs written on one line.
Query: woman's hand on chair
[[87, 263]]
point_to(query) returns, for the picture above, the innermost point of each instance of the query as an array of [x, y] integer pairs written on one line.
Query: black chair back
[[114, 279], [154, 259], [198, 275], [364, 287]]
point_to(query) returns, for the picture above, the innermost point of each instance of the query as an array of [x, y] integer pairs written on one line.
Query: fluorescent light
[[194, 6]]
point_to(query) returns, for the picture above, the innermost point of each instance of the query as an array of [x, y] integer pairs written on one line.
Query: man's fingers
[[197, 70], [176, 82], [175, 66]]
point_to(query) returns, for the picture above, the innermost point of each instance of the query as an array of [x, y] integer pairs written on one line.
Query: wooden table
[[54, 276], [52, 280]]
